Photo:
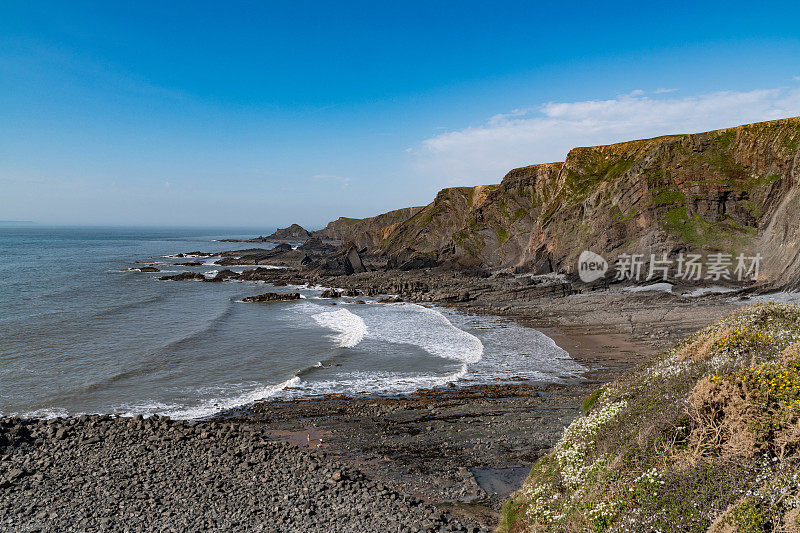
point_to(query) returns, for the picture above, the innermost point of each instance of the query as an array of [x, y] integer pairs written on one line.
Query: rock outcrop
[[352, 260], [294, 233], [330, 293], [365, 232]]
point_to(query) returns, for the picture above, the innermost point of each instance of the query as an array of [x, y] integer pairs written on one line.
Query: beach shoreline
[[458, 450], [463, 448]]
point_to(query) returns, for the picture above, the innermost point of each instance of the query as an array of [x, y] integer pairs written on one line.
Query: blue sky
[[262, 113]]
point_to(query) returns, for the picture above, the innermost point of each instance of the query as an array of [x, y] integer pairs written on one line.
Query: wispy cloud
[[662, 90], [343, 180], [482, 154]]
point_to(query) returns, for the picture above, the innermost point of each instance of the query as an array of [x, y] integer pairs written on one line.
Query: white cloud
[[483, 154], [343, 180], [662, 90]]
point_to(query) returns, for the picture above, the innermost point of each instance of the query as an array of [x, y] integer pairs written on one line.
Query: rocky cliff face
[[365, 232], [735, 190]]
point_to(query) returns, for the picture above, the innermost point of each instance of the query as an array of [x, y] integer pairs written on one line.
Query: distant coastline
[[16, 223]]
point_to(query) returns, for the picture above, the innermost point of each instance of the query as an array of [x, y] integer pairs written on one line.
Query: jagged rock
[[273, 297], [352, 261], [330, 293], [149, 269]]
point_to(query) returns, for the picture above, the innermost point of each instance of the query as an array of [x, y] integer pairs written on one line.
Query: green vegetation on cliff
[[703, 438], [710, 192]]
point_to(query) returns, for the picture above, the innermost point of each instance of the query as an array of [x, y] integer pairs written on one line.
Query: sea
[[80, 332]]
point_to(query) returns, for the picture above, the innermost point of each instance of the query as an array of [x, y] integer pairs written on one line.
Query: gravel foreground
[[100, 473]]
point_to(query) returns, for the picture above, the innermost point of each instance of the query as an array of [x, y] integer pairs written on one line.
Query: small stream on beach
[[81, 334]]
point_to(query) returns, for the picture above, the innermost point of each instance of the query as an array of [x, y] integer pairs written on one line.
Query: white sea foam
[[512, 351], [47, 413], [208, 407], [426, 328], [350, 328], [374, 383]]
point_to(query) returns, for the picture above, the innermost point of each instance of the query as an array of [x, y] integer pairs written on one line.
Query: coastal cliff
[[735, 190], [366, 232]]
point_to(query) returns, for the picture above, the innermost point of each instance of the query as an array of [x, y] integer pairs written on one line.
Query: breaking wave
[[350, 328]]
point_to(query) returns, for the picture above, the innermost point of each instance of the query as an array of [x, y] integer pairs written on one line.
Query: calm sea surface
[[79, 334]]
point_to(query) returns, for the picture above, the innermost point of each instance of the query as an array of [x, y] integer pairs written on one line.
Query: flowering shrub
[[578, 438], [776, 385]]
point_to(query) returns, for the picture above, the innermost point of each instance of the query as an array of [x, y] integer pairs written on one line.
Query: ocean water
[[79, 334]]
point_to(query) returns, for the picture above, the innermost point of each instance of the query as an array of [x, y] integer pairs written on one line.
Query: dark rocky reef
[[273, 297], [223, 275], [184, 276], [195, 254]]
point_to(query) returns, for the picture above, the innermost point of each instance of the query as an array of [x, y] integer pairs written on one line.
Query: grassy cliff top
[[703, 438]]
